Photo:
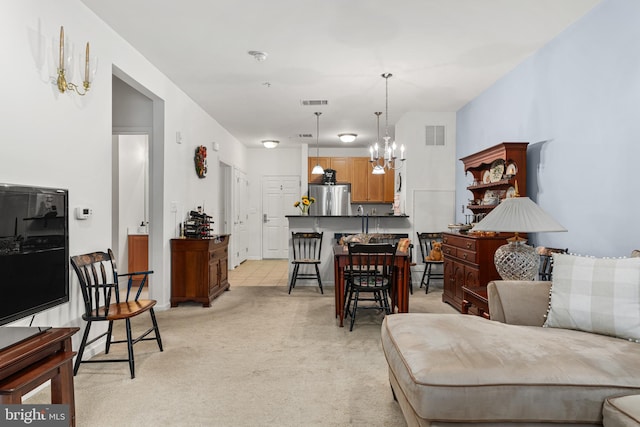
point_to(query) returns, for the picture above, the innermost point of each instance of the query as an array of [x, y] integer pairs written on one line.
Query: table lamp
[[516, 260]]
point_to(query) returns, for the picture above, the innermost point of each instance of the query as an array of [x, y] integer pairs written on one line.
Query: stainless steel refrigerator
[[330, 199]]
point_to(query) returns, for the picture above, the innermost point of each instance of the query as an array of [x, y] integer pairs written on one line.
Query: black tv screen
[[34, 250]]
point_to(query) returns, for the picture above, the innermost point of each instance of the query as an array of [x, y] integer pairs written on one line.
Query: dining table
[[399, 288]]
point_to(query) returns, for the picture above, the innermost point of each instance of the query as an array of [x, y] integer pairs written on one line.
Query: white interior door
[[279, 193], [240, 235]]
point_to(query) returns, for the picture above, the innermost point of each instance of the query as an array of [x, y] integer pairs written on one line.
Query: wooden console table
[[30, 363]]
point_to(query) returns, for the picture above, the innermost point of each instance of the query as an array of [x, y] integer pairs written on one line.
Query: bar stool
[[307, 247]]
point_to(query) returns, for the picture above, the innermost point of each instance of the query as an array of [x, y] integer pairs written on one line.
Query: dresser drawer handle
[[468, 245], [464, 256]]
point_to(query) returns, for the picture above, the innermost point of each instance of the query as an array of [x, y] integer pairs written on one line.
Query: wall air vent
[[434, 135], [314, 102]]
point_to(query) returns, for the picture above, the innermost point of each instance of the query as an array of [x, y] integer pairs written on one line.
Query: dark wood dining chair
[[307, 247], [426, 241], [370, 277], [545, 271], [98, 276], [400, 240]]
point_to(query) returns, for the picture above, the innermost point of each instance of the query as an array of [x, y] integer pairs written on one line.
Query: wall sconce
[[65, 64], [347, 137]]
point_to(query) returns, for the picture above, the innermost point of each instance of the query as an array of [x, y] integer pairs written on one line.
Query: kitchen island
[[335, 226]]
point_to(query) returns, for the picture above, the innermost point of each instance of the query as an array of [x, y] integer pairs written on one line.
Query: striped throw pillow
[[596, 295]]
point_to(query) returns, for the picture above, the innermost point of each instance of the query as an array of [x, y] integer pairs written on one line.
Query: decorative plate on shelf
[[511, 192], [496, 171], [486, 177], [512, 169], [490, 198]]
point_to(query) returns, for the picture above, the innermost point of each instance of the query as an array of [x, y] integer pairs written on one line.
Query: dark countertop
[[346, 216]]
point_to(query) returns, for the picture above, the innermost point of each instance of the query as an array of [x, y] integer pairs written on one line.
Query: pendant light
[[388, 159], [317, 169]]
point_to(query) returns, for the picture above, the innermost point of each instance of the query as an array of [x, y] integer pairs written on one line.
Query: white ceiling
[[442, 54]]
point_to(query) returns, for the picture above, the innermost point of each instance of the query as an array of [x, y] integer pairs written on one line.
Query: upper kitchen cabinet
[[325, 162], [342, 166], [369, 188]]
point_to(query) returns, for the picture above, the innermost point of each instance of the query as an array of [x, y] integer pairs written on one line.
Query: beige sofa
[[452, 369]]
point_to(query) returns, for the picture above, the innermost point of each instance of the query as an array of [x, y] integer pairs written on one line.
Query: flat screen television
[[34, 250]]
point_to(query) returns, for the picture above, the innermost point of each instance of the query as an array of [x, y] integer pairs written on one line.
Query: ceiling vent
[[314, 102], [434, 135]]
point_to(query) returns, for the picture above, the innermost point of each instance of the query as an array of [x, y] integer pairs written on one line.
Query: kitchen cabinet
[[325, 162], [365, 187], [369, 188], [199, 269], [342, 166]]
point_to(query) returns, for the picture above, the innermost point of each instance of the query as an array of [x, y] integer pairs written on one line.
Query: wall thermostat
[[83, 213]]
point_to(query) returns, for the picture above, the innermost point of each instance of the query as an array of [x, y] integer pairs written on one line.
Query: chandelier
[[388, 158]]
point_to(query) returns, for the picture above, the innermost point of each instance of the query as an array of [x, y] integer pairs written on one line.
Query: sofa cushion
[[596, 295], [457, 368], [621, 411]]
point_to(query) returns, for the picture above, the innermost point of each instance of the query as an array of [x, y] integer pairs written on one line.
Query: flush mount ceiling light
[[270, 143], [257, 55], [347, 137]]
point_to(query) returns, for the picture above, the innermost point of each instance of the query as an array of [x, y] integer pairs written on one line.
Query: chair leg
[[410, 282], [424, 274], [81, 349], [294, 275], [428, 271], [355, 308], [155, 327], [319, 279], [130, 348], [107, 344]]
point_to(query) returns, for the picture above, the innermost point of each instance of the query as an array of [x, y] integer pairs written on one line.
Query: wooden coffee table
[[475, 296]]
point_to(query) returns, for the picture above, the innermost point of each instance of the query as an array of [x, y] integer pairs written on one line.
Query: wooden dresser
[[199, 269], [468, 261]]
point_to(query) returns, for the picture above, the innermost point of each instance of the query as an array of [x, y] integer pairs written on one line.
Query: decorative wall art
[[201, 161]]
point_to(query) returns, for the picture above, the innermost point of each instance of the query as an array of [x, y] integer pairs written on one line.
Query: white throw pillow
[[596, 295]]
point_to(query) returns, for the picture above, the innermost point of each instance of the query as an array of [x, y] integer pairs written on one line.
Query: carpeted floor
[[256, 357]]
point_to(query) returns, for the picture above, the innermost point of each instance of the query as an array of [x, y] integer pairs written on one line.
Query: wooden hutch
[[468, 258]]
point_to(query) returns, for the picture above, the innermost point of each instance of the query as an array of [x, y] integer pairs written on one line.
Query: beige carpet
[[256, 357]]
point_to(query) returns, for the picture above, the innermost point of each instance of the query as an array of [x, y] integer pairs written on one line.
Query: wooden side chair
[[402, 241], [98, 276], [545, 271], [371, 272], [307, 247], [426, 241]]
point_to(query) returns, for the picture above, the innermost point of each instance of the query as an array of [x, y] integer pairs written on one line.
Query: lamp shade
[[518, 215]]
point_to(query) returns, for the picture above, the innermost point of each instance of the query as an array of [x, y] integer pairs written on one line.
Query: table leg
[[339, 289], [403, 286]]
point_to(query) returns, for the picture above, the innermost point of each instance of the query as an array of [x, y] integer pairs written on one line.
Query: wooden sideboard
[[199, 269], [468, 261]]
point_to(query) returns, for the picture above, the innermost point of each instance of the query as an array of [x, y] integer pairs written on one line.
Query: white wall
[[64, 140]]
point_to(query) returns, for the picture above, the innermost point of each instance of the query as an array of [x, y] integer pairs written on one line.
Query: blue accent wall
[[577, 102]]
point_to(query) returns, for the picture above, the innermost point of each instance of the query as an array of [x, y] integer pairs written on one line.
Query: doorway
[[131, 159], [279, 193]]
